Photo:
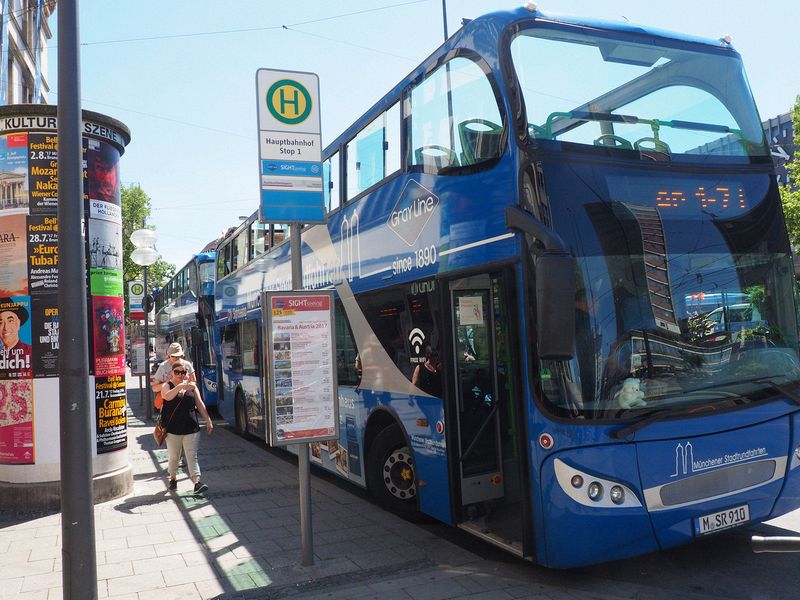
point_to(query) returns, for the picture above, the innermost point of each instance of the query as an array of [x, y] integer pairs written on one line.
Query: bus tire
[[240, 407], [391, 473]]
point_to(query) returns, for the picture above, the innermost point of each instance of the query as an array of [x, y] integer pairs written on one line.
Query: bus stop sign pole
[[303, 465]]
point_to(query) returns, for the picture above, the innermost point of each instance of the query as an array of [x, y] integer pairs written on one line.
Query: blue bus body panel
[[573, 532], [677, 471], [419, 416], [207, 379], [750, 460], [789, 498]]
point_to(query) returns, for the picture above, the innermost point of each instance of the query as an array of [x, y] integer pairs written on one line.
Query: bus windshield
[[685, 288], [661, 98]]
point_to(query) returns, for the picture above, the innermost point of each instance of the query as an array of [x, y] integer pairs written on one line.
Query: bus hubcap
[[399, 476]]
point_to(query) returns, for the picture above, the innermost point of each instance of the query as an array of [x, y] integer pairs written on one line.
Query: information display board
[[301, 370]]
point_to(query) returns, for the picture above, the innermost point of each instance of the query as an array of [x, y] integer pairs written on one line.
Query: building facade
[[780, 137], [24, 35]]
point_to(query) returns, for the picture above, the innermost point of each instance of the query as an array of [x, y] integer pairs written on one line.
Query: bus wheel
[[391, 474], [241, 415]]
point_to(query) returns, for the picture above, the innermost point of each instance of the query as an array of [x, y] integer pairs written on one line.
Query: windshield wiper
[[793, 393], [769, 380], [649, 419]]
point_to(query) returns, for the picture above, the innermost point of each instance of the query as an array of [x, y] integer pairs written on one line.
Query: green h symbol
[[285, 94], [285, 101]]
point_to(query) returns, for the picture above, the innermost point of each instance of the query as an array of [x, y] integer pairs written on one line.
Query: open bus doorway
[[487, 465]]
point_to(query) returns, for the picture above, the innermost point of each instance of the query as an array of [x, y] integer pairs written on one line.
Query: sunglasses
[[179, 372]]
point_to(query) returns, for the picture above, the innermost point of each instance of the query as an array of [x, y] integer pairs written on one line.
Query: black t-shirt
[[179, 415], [430, 382]]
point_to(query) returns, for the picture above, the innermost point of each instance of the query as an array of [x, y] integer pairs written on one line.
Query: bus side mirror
[[555, 306]]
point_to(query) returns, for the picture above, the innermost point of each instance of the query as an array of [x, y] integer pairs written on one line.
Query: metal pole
[[303, 466], [444, 18], [78, 553], [148, 392]]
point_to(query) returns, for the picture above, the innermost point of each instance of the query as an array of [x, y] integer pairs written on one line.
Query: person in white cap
[[164, 371]]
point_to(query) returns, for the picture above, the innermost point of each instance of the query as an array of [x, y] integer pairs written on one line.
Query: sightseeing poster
[[14, 272], [303, 405], [16, 422], [43, 172], [109, 338], [14, 173], [42, 236], [112, 420], [44, 334]]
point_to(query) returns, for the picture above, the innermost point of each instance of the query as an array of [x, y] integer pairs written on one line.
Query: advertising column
[[29, 320]]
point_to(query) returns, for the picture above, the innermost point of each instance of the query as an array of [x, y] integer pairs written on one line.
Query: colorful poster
[[15, 335], [106, 211], [105, 282], [43, 165], [13, 271], [105, 257], [44, 333], [14, 173], [102, 172], [109, 336], [112, 418], [42, 254], [105, 245], [16, 422]]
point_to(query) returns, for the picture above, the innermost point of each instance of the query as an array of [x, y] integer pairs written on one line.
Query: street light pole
[[145, 255], [148, 392]]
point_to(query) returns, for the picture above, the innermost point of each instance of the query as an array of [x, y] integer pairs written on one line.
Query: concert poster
[[112, 418], [44, 328], [42, 237], [108, 321], [14, 173], [43, 172], [14, 272]]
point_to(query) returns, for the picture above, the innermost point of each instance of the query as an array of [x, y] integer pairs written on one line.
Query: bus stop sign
[[290, 149]]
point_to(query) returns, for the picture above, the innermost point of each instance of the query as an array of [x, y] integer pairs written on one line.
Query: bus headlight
[[595, 491], [599, 493]]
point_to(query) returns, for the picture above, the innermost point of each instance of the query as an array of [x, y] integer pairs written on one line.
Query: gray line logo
[[413, 210]]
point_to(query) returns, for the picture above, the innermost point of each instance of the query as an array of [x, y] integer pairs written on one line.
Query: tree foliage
[[135, 211], [790, 192]]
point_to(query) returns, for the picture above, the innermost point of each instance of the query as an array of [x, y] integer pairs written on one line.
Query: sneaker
[[173, 484], [200, 487]]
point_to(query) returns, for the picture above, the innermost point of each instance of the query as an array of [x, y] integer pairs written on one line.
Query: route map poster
[[300, 348]]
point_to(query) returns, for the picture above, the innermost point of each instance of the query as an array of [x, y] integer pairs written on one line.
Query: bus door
[[480, 461]]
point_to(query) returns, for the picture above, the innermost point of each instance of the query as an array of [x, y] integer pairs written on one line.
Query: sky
[[181, 75]]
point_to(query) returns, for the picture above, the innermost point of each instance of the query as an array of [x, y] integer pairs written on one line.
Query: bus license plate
[[722, 520]]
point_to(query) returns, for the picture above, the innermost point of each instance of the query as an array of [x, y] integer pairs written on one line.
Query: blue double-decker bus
[[517, 235], [185, 314]]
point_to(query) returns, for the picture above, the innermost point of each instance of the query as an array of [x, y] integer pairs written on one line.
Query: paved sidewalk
[[242, 540]]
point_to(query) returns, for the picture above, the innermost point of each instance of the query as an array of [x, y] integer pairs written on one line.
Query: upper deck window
[[661, 99], [330, 179], [374, 153], [455, 118], [259, 234]]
